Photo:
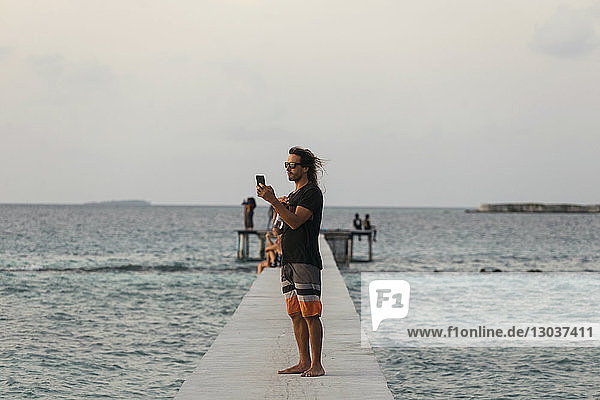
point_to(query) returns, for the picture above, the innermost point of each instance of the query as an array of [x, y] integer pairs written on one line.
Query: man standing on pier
[[301, 260]]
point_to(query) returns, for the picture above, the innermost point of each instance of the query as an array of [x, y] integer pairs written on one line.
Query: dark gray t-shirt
[[302, 245]]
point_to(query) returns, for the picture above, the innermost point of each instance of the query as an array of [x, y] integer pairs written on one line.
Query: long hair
[[308, 159]]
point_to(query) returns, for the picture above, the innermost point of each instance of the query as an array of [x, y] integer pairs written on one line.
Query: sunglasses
[[291, 165]]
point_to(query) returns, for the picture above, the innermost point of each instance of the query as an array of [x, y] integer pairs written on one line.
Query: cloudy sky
[[413, 102]]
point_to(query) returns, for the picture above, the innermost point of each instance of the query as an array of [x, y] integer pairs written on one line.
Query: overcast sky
[[414, 103]]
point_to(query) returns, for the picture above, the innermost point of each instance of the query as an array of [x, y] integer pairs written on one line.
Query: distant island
[[536, 208], [128, 203]]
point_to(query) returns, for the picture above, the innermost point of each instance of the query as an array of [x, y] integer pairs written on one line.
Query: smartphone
[[260, 179]]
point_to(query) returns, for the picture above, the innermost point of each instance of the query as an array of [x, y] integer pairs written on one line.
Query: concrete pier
[[258, 340]]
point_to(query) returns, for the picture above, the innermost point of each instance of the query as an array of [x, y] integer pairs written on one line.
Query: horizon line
[[168, 204]]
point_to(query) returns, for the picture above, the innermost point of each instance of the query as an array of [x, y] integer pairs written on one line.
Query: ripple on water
[[123, 302]]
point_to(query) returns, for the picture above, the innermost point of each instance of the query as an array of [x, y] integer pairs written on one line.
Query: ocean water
[[122, 302]]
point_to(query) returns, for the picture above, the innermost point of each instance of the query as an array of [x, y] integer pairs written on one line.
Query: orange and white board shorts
[[301, 286]]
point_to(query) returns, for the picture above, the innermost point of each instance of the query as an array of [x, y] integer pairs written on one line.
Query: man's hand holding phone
[[263, 191], [268, 194]]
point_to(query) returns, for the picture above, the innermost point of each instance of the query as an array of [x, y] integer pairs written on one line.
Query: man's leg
[[315, 333], [308, 288], [302, 332], [299, 324]]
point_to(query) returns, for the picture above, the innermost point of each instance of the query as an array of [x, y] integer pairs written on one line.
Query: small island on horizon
[[129, 203], [536, 208]]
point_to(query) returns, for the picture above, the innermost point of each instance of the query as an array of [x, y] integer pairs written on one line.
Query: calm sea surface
[[122, 302]]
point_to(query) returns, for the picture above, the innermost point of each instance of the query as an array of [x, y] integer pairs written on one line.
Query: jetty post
[[243, 249]]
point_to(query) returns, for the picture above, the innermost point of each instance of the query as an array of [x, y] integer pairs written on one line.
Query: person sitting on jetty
[[272, 252], [301, 262], [367, 225], [357, 222]]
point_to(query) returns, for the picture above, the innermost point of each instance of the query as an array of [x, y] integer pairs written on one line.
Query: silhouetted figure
[[249, 206], [357, 222], [367, 223], [367, 226]]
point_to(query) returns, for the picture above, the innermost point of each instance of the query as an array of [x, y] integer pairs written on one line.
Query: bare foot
[[313, 371], [296, 369]]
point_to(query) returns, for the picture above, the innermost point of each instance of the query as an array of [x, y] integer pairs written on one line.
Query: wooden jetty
[[243, 249], [258, 340], [342, 244]]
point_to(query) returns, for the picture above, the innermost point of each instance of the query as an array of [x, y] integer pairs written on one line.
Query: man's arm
[[293, 220]]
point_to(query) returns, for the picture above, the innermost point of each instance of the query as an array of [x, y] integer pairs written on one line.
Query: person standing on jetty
[[249, 206], [301, 260]]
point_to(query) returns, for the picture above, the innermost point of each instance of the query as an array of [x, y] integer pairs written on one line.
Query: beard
[[292, 177]]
